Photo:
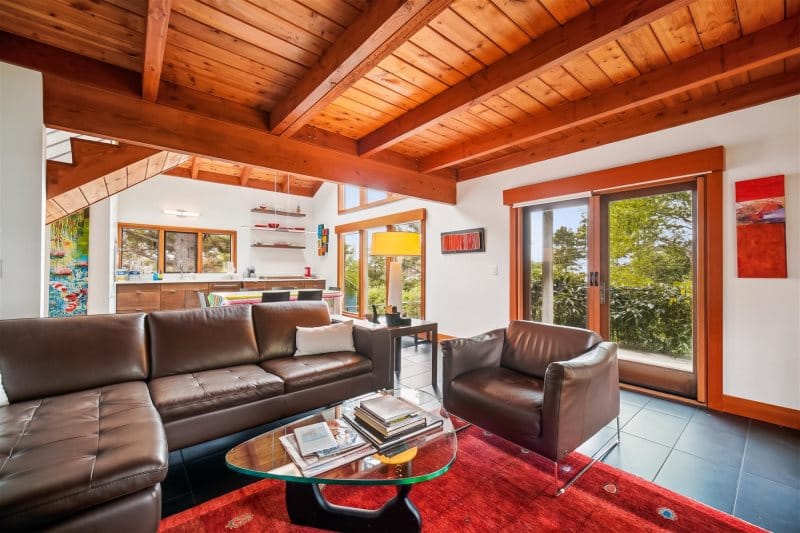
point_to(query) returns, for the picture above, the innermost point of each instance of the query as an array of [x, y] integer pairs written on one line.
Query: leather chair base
[[137, 512]]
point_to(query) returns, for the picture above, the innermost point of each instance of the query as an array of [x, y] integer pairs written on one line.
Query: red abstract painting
[[761, 228], [457, 242]]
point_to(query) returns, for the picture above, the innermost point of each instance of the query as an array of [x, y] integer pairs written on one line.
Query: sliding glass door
[[556, 263], [647, 273], [623, 264]]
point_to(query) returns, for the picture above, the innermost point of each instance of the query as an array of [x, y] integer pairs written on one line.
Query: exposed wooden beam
[[82, 108], [195, 167], [770, 44], [50, 60], [596, 27], [227, 179], [376, 33], [155, 42], [759, 92], [245, 175], [91, 160]]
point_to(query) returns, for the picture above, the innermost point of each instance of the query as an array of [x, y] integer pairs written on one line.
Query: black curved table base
[[307, 507]]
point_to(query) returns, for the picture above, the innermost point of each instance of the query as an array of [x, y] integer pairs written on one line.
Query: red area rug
[[493, 486]]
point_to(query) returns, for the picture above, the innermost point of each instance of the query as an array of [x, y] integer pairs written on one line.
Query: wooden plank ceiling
[[439, 90]]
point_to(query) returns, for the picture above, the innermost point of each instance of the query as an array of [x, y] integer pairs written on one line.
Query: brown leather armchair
[[547, 388]]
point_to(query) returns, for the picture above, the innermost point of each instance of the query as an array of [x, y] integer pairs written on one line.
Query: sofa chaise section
[[78, 446]]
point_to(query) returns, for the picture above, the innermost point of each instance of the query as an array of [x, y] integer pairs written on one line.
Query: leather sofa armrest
[[463, 355], [581, 395], [373, 341]]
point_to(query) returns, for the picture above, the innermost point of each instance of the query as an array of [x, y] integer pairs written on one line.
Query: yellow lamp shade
[[395, 244]]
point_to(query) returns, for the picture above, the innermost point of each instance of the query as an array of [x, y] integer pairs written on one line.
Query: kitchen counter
[[206, 279]]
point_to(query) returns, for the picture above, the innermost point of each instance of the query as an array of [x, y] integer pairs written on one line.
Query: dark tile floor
[[743, 467]]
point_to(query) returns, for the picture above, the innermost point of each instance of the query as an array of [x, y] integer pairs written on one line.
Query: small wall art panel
[[761, 228], [463, 241]]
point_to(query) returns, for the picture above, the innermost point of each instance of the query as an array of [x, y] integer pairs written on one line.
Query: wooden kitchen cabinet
[[254, 285], [224, 286], [314, 284], [138, 298], [181, 295]]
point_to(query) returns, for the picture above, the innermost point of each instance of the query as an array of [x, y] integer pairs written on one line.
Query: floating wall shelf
[[282, 230], [289, 246], [276, 212]]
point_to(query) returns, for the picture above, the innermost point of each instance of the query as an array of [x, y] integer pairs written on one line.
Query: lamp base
[[395, 296]]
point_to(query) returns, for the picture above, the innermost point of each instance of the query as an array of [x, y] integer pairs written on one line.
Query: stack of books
[[387, 420], [320, 447]]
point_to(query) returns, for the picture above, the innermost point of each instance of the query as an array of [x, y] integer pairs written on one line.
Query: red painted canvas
[[761, 228]]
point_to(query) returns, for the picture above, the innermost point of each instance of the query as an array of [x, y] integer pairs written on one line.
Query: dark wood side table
[[416, 327]]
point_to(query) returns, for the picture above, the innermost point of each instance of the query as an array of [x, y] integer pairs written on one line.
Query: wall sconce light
[[180, 213]]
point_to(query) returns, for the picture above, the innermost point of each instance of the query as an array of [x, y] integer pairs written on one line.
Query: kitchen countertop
[[214, 280]]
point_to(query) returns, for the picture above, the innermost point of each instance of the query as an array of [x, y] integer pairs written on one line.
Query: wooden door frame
[[704, 165]]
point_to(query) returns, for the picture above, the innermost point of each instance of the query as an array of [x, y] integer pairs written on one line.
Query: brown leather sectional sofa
[[97, 402]]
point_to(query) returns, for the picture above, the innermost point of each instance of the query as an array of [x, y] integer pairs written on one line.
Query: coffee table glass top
[[419, 459]]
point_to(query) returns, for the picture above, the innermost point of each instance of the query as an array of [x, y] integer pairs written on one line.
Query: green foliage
[[651, 249]]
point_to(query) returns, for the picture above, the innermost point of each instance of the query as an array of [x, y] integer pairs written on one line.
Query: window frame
[[179, 229], [361, 227], [362, 199]]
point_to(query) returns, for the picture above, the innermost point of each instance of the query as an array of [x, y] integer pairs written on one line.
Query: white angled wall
[[761, 317], [22, 235]]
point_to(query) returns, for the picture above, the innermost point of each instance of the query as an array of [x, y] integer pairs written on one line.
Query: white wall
[[761, 317], [102, 253], [22, 237], [225, 207]]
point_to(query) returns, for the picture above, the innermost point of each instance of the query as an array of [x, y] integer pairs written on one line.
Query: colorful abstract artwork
[[322, 239], [459, 242], [761, 228], [69, 265]]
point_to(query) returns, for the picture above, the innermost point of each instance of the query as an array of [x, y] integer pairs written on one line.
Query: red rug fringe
[[493, 486]]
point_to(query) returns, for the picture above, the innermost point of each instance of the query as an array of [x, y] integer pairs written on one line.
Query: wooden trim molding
[[388, 220], [516, 254], [774, 414], [362, 201], [713, 288], [691, 163]]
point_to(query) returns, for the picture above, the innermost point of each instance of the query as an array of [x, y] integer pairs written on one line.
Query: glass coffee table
[[418, 459]]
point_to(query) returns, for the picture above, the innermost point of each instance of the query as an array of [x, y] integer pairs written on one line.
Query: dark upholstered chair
[[547, 388], [310, 294], [275, 296]]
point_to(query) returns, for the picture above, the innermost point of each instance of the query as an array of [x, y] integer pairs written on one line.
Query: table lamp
[[395, 244]]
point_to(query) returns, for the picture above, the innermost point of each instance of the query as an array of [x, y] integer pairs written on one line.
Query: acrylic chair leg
[[598, 456]]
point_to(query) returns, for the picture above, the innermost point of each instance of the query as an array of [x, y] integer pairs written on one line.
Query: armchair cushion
[[531, 346], [500, 400]]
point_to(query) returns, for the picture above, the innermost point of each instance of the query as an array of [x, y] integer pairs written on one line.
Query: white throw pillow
[[325, 339], [3, 397]]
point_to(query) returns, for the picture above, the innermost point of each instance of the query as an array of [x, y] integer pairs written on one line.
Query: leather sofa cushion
[[42, 357], [196, 393], [311, 370], [531, 346], [276, 325], [182, 342], [501, 400], [65, 454]]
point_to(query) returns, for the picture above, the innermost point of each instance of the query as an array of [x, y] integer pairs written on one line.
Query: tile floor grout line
[[672, 449], [741, 468]]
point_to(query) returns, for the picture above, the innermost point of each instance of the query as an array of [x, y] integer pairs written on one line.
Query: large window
[[164, 249], [353, 198], [364, 278]]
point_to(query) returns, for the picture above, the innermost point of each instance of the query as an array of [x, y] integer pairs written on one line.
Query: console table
[[416, 327]]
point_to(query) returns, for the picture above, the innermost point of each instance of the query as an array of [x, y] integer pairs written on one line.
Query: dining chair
[[275, 296], [311, 294]]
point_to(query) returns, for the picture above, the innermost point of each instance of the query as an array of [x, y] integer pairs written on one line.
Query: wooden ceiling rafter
[[743, 96], [768, 45], [91, 160], [376, 33], [195, 167], [228, 179], [578, 36], [157, 23], [83, 108], [244, 177]]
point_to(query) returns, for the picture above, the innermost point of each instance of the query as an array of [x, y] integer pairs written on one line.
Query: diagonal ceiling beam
[[743, 96], [73, 106], [194, 168], [770, 44], [90, 161], [244, 177], [598, 26], [155, 42], [381, 29]]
